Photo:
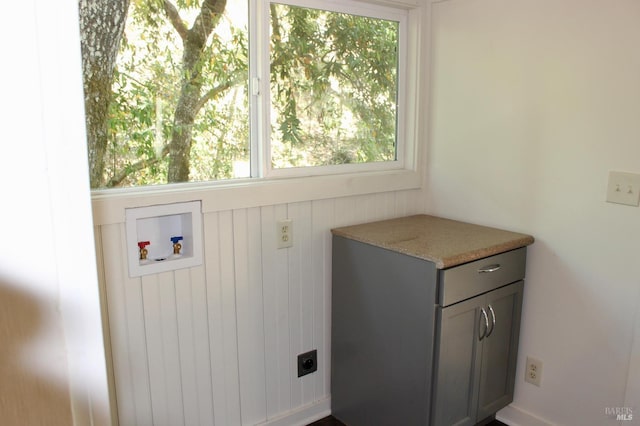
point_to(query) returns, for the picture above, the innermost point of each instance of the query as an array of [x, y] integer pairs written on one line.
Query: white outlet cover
[[623, 188], [284, 233], [533, 366]]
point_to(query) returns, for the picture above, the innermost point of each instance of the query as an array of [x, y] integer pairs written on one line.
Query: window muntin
[[220, 147]]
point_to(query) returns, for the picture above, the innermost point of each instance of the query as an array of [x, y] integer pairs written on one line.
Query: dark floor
[[331, 421], [327, 421]]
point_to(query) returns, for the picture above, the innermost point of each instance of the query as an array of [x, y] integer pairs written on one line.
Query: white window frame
[[271, 187], [262, 101]]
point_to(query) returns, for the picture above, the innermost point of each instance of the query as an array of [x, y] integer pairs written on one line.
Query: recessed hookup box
[[163, 237]]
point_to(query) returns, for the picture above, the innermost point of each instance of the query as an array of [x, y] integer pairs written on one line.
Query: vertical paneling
[[230, 333], [301, 300], [323, 214], [275, 283], [202, 346], [157, 379], [171, 348], [188, 366], [104, 312], [295, 304], [217, 344], [214, 304], [163, 348], [247, 232], [409, 203], [193, 337], [218, 229], [385, 205], [346, 212], [126, 323], [374, 207]]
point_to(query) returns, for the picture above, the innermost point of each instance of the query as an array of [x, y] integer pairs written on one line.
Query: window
[[333, 88], [200, 92]]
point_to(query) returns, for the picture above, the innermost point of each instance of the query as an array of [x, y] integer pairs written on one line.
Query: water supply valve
[[143, 250], [176, 244]]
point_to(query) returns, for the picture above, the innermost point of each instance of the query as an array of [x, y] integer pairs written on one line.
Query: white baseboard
[[302, 416], [514, 416]]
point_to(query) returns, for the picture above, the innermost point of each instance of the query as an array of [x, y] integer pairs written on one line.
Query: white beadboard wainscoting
[[217, 344]]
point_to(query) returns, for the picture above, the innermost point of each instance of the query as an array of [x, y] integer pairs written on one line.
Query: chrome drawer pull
[[489, 268]]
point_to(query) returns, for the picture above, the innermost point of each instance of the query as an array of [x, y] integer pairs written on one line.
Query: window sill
[[109, 206]]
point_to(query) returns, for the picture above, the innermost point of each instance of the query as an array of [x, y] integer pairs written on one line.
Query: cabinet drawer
[[477, 277]]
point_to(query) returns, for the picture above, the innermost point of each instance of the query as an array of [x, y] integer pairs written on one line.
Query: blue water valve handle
[[176, 245]]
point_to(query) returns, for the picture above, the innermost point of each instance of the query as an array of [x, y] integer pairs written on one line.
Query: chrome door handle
[[486, 324], [489, 268], [493, 321]]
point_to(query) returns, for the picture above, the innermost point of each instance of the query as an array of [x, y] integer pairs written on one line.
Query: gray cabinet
[[425, 321]]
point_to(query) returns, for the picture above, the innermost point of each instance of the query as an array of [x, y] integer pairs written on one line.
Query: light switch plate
[[624, 188]]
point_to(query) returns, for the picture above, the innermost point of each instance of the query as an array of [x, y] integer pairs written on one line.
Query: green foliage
[[333, 90], [146, 90], [333, 78]]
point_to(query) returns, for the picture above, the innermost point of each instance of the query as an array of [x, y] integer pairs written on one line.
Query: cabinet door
[[458, 363], [499, 349]]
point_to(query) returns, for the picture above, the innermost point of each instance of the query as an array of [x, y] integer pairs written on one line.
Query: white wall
[[52, 365], [534, 101]]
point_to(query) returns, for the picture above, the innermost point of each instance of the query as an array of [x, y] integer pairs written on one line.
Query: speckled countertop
[[444, 242]]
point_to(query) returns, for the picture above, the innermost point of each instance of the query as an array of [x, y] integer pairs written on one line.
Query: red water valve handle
[[143, 244]]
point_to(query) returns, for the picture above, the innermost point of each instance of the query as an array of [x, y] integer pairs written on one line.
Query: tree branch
[[215, 91], [205, 22], [175, 19], [136, 167]]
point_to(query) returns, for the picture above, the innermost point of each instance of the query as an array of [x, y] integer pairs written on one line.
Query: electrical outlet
[[533, 371], [623, 188], [284, 233], [307, 363]]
